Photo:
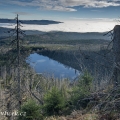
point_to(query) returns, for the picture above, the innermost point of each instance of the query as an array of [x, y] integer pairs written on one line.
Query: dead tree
[[18, 63], [116, 52], [17, 50]]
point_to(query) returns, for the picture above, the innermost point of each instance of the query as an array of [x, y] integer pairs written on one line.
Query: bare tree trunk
[[18, 64], [116, 51]]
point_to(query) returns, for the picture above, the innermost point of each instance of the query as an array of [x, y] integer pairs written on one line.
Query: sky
[[95, 11]]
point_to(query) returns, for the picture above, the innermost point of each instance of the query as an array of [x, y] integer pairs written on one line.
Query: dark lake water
[[45, 65]]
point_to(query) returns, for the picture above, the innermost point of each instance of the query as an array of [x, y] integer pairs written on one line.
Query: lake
[[44, 65]]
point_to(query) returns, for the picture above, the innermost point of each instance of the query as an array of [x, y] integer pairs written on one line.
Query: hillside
[[59, 35], [38, 22]]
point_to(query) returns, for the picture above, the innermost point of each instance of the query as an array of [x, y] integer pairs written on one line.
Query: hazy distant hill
[[58, 35], [75, 35], [38, 22], [4, 32]]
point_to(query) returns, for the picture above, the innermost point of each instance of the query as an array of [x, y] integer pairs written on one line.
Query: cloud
[[65, 5], [93, 19], [59, 8], [22, 13], [81, 25]]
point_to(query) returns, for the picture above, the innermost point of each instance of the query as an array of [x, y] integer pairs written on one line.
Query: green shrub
[[81, 90], [32, 111], [53, 102]]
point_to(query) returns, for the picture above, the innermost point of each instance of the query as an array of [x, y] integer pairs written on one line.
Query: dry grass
[[76, 115]]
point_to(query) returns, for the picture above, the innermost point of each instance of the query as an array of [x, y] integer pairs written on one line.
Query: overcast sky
[[76, 15], [60, 9]]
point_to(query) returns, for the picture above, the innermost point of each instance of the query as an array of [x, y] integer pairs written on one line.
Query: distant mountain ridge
[[76, 35], [59, 35], [37, 22]]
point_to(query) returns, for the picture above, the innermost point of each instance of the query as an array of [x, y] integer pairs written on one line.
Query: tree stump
[[116, 52]]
